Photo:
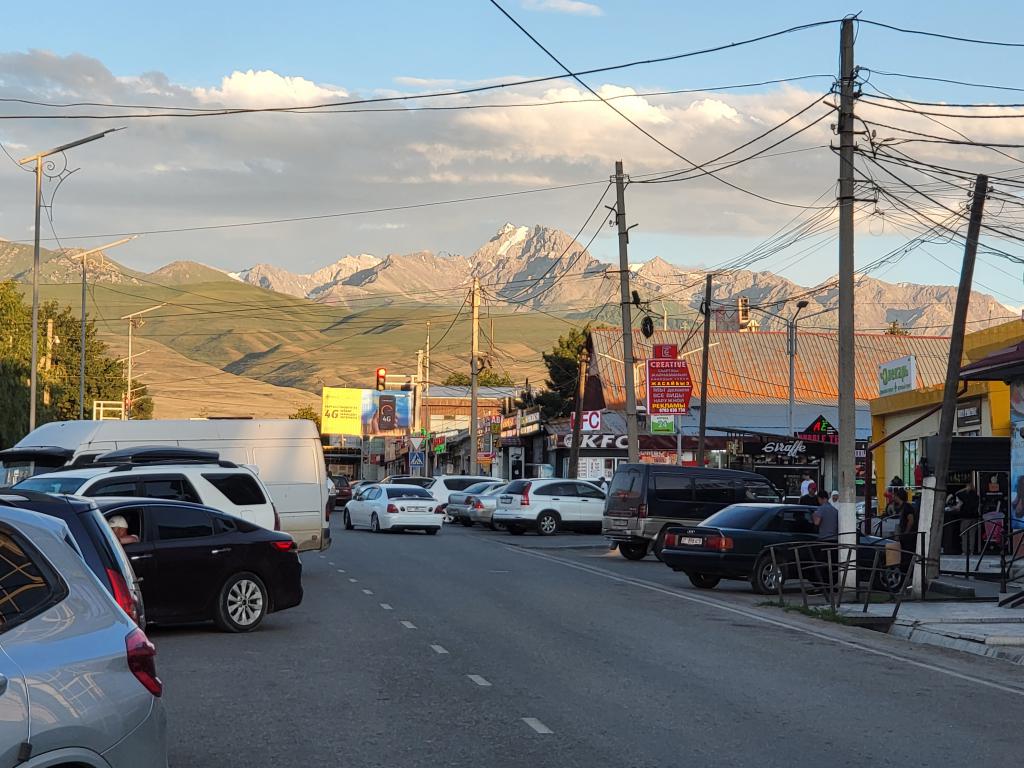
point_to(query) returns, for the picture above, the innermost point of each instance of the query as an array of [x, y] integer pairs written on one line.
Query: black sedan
[[196, 563], [732, 544]]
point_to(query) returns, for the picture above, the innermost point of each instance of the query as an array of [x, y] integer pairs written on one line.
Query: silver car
[[70, 652], [481, 508]]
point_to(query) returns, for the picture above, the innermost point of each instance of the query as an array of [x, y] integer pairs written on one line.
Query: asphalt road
[[479, 649]]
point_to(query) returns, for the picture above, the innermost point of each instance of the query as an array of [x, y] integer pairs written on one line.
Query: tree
[[563, 364], [309, 413], [486, 378], [57, 382]]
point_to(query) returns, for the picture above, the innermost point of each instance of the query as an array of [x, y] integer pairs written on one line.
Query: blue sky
[[370, 48]]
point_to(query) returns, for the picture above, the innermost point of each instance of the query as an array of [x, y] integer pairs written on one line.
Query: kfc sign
[[598, 442], [591, 421]]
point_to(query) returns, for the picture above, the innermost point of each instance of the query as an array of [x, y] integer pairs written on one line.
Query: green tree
[[58, 382], [309, 413], [563, 364], [487, 378]]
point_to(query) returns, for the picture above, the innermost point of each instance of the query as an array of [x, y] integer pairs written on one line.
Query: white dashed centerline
[[341, 570], [439, 650], [367, 591], [537, 725], [353, 581], [482, 682], [385, 606], [408, 625]]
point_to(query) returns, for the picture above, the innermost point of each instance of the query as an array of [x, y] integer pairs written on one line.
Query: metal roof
[[754, 366]]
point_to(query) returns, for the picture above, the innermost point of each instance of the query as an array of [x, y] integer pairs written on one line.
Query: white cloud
[[267, 89], [574, 7]]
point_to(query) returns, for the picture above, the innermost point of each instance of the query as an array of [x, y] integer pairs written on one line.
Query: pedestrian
[[805, 482], [826, 516], [907, 530], [810, 497], [834, 498], [968, 506], [919, 470]]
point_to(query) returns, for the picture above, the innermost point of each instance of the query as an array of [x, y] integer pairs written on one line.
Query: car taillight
[[718, 543], [641, 511], [671, 539], [525, 501], [142, 661], [277, 517], [392, 509], [477, 504], [122, 594], [284, 546]]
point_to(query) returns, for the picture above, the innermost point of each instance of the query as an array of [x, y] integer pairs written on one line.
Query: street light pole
[[133, 323], [38, 160]]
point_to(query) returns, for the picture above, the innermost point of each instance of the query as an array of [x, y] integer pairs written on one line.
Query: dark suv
[[92, 536], [645, 499]]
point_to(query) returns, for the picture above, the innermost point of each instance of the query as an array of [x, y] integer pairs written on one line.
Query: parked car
[[387, 507], [99, 546], [78, 679], [731, 544], [344, 491], [549, 505], [197, 563], [482, 506], [287, 454], [459, 502], [198, 477], [645, 499], [443, 486]]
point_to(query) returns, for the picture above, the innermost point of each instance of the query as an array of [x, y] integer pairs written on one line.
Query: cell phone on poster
[[387, 418]]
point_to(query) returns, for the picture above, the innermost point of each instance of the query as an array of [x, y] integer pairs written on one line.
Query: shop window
[[909, 453]]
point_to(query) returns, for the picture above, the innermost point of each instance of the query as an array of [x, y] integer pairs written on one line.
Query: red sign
[[665, 351], [669, 387]]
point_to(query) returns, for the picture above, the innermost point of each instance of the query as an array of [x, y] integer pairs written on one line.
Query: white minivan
[[286, 454]]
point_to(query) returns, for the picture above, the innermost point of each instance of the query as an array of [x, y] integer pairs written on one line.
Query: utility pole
[[664, 316], [791, 329], [134, 321], [577, 424], [704, 372], [428, 464], [474, 385], [632, 432], [949, 395], [847, 350], [418, 391], [48, 361]]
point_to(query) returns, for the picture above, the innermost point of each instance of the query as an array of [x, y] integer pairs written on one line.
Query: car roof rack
[[124, 459]]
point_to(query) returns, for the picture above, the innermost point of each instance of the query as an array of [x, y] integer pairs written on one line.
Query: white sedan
[[394, 507]]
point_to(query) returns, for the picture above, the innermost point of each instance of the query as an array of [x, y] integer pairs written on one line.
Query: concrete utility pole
[[134, 321], [704, 372], [418, 391], [847, 350], [632, 431], [791, 328], [949, 395], [474, 386], [577, 424]]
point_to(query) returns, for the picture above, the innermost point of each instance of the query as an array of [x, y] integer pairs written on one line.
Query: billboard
[[346, 411], [668, 387], [897, 376]]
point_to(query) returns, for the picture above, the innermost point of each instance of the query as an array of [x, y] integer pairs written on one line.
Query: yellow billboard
[[347, 411]]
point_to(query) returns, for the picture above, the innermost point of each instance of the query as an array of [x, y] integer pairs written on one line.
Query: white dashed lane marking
[[354, 581], [367, 591], [439, 650], [537, 725], [340, 570], [385, 606], [408, 625], [483, 683]]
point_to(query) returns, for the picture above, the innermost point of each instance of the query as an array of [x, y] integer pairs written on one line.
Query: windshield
[[408, 492], [478, 487], [51, 484], [736, 516]]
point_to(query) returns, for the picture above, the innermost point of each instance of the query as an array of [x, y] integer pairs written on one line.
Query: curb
[[1009, 649]]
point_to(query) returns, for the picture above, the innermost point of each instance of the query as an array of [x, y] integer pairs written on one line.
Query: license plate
[[693, 541], [417, 509], [506, 499], [619, 522]]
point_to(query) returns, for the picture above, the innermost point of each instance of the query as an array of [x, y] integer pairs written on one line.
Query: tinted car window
[[171, 488], [48, 484], [556, 489], [588, 491], [408, 493], [757, 491], [672, 487], [625, 489], [181, 523], [714, 490], [239, 488], [460, 483], [791, 521], [736, 516], [516, 486], [478, 487], [113, 488], [24, 590]]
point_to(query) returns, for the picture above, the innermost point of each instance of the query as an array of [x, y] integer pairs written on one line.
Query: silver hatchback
[[78, 682]]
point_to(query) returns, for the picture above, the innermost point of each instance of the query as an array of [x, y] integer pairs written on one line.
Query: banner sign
[[897, 376], [346, 411], [668, 387], [821, 430], [663, 425]]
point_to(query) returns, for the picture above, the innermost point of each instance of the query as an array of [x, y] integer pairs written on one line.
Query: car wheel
[[433, 531], [347, 521], [633, 550], [547, 523], [890, 579], [703, 580], [242, 603], [375, 523], [496, 526], [515, 530], [768, 577]]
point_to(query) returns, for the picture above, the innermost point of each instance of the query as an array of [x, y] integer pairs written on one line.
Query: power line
[[940, 35]]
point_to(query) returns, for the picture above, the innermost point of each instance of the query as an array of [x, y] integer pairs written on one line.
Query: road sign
[[416, 459], [669, 387], [416, 443]]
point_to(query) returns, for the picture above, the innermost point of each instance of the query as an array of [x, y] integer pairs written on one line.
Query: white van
[[286, 453]]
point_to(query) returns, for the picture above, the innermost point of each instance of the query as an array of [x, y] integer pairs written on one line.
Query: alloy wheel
[[245, 602]]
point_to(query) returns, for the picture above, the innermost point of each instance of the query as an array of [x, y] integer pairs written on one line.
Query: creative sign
[[663, 425], [346, 411], [665, 351], [897, 376], [669, 387], [820, 430]]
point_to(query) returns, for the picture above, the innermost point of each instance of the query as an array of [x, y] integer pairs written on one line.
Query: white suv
[[222, 485], [549, 505]]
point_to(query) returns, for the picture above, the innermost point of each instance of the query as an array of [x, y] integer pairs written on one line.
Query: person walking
[[826, 517]]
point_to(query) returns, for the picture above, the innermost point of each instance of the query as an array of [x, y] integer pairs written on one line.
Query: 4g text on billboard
[[669, 385]]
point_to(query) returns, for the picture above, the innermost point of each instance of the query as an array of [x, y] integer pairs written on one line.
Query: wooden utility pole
[[949, 395], [474, 373], [704, 372], [577, 424], [632, 431], [847, 350]]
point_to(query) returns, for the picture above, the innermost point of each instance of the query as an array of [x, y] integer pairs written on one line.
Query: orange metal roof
[[754, 366]]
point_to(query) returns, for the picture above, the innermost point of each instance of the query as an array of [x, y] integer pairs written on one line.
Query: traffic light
[[382, 379]]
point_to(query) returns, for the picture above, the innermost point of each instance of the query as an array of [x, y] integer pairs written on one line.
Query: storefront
[[521, 438]]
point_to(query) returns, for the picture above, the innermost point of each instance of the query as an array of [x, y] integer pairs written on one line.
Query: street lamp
[[38, 160], [81, 351], [134, 321]]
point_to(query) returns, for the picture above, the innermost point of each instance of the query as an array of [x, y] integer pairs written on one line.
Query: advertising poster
[[347, 411], [1017, 450]]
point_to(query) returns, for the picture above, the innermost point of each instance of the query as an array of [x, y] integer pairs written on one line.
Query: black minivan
[[645, 499]]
